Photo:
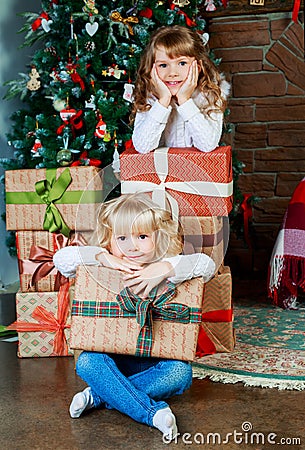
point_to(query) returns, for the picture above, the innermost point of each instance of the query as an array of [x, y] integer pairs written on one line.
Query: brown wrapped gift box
[[207, 235], [43, 323], [30, 261], [78, 204], [217, 333], [96, 289]]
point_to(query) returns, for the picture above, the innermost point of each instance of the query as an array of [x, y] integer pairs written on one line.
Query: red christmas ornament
[[100, 129], [37, 22], [35, 149], [147, 12], [85, 161], [71, 118], [65, 114]]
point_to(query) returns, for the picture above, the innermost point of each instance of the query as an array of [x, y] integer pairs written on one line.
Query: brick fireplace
[[263, 57]]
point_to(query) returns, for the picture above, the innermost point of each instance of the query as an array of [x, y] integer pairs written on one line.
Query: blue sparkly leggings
[[133, 385]]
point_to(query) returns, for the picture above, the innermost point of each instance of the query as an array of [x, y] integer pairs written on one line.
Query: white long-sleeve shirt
[[67, 259], [179, 126]]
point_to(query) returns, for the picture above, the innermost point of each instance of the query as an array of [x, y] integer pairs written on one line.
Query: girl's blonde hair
[[178, 41], [137, 213]]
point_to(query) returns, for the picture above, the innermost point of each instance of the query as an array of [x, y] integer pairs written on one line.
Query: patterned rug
[[269, 352]]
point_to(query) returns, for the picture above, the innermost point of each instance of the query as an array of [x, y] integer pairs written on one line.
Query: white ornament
[[59, 104], [128, 91], [91, 28], [205, 38], [210, 5], [46, 25], [90, 104], [116, 161]]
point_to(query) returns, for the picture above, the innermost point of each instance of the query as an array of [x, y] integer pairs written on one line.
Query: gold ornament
[[90, 7], [181, 3], [116, 17], [64, 157], [34, 83]]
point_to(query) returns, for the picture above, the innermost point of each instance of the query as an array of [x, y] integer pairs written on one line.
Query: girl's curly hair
[[178, 41], [137, 213]]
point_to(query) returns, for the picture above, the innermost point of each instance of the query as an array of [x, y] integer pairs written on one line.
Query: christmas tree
[[78, 89]]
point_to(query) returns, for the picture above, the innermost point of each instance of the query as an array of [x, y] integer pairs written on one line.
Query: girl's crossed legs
[[133, 385]]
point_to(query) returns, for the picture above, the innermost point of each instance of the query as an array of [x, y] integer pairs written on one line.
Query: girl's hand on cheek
[[163, 93], [189, 85]]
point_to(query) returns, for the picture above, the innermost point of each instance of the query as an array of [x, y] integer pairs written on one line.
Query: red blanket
[[287, 265]]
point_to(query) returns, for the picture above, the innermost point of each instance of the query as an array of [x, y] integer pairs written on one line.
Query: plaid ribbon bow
[[148, 309]]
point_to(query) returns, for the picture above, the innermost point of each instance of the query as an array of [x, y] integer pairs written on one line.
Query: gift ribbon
[[205, 346], [159, 194], [116, 17], [49, 323], [50, 191], [144, 309], [43, 258], [37, 22], [296, 8]]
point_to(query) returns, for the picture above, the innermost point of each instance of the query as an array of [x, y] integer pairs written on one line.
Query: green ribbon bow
[[152, 307], [50, 191]]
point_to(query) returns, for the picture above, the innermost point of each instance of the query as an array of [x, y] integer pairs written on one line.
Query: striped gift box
[[209, 235]]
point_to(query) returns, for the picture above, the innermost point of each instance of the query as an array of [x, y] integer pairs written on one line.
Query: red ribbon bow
[[189, 22], [48, 322], [75, 122], [205, 346], [37, 22], [85, 161], [44, 258], [75, 77]]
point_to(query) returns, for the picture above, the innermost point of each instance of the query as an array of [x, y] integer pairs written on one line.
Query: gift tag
[[91, 28]]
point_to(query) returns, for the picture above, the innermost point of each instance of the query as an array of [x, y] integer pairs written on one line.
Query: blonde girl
[[179, 96], [142, 241]]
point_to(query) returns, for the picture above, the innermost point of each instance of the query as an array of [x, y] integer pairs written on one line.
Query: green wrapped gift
[[60, 199]]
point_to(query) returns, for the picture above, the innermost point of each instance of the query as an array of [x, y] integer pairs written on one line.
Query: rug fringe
[[232, 378]]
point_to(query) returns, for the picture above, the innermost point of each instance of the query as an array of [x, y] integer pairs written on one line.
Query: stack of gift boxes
[[197, 319], [198, 187], [48, 209]]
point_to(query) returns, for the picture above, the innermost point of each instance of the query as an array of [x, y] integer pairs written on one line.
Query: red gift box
[[193, 182]]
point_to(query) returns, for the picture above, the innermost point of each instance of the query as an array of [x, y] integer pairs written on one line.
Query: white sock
[[165, 421], [81, 402]]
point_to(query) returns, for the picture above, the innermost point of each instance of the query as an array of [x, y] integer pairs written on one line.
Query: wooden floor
[[35, 395]]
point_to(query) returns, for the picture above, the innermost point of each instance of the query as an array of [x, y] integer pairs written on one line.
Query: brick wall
[[263, 57]]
